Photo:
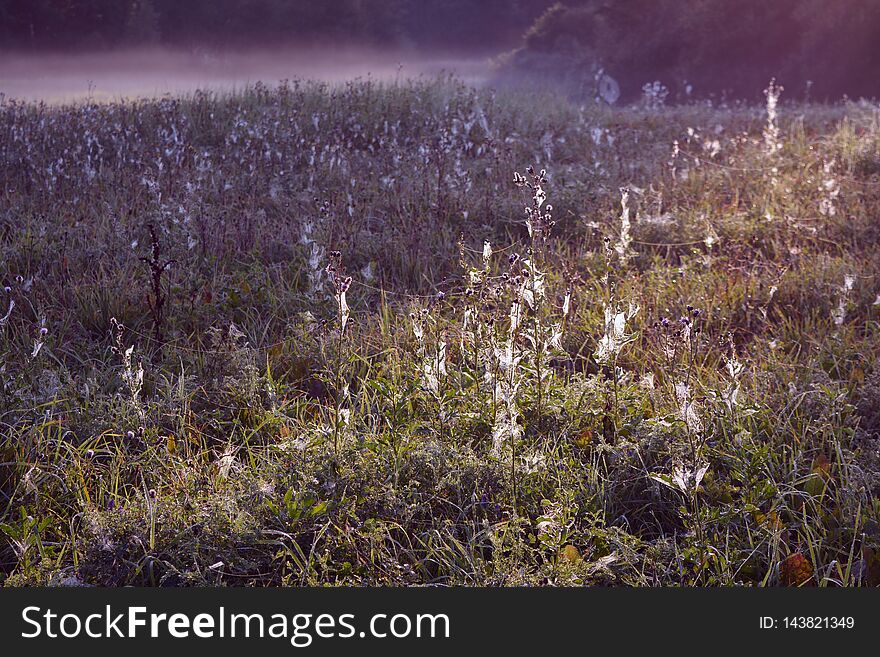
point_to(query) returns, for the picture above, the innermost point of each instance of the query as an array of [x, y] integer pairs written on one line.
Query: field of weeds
[[420, 333]]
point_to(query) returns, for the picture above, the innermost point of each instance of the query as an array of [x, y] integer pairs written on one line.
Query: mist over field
[[152, 72], [614, 49]]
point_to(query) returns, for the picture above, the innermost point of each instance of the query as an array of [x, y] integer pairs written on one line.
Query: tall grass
[[620, 367]]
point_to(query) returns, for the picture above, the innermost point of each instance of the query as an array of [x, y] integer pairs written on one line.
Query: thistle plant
[[315, 257], [542, 337], [315, 253], [524, 350], [829, 188], [679, 343], [132, 374], [772, 141], [507, 377], [734, 369], [472, 340], [341, 283], [614, 339], [616, 317], [431, 352], [838, 314], [157, 297], [623, 248]]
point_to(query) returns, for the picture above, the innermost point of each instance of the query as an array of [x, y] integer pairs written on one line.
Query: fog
[[61, 78], [692, 49]]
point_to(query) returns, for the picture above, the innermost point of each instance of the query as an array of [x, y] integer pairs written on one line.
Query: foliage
[[702, 48], [224, 23]]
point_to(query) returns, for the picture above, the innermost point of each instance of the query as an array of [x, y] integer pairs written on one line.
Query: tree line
[[95, 24]]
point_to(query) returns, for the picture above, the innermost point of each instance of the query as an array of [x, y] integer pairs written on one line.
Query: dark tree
[[716, 47]]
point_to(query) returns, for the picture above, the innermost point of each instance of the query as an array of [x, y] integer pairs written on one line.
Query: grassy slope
[[262, 449]]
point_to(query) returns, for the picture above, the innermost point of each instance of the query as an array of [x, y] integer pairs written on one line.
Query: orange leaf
[[569, 553], [796, 570], [584, 438]]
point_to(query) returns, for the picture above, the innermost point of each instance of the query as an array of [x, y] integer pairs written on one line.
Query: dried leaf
[[584, 438], [569, 553], [796, 570]]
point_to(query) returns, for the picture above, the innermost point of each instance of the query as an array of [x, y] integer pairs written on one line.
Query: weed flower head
[[625, 241], [539, 220]]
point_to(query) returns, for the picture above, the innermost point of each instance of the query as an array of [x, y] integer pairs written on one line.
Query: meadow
[[419, 333]]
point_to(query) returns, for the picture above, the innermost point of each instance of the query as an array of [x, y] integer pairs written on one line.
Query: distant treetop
[[95, 24]]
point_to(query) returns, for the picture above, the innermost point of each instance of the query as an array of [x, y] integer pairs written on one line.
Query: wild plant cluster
[[419, 333]]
